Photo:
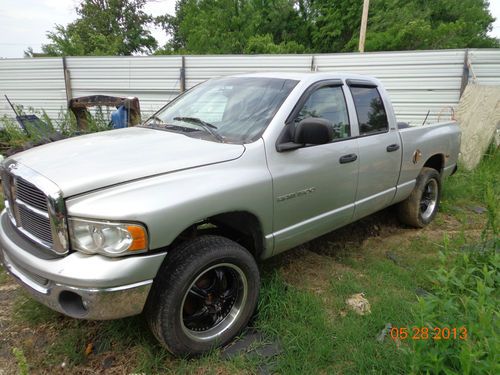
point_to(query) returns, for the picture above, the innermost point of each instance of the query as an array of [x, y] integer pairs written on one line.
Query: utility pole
[[364, 21]]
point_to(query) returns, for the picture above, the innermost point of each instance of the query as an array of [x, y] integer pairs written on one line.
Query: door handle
[[393, 147], [348, 158]]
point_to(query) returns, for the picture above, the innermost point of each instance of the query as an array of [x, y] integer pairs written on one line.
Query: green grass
[[28, 311], [299, 321], [316, 331], [468, 188], [3, 276]]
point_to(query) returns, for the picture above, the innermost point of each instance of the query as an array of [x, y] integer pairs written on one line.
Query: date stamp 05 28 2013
[[425, 333]]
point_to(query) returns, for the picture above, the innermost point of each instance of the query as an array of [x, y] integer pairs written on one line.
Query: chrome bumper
[[78, 285]]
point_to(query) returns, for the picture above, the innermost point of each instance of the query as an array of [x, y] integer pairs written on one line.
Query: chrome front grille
[[35, 206], [35, 224], [31, 195]]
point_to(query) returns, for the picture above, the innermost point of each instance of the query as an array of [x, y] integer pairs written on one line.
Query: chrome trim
[[374, 196], [406, 184], [32, 237], [100, 303], [431, 193], [32, 209], [312, 220], [55, 205]]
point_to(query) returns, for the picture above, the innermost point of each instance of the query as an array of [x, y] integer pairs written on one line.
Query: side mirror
[[313, 131]]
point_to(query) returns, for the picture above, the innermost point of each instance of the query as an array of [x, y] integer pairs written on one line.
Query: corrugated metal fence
[[418, 81]]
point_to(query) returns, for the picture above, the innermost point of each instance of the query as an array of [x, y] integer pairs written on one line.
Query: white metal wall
[[485, 65], [153, 79], [37, 83], [417, 81], [201, 68]]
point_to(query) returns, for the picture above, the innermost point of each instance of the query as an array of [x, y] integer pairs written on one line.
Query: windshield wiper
[[205, 125]]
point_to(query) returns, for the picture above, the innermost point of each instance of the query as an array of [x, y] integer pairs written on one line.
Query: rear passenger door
[[379, 149]]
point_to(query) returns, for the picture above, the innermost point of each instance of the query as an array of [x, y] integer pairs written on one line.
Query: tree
[[29, 53], [264, 44], [336, 24], [171, 25], [402, 25], [281, 26], [104, 27], [235, 26]]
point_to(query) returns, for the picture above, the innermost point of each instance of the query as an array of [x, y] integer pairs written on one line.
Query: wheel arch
[[436, 162], [242, 227]]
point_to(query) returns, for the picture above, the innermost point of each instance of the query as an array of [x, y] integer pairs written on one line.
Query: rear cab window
[[372, 117]]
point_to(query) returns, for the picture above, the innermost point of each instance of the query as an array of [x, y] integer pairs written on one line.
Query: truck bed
[[440, 138]]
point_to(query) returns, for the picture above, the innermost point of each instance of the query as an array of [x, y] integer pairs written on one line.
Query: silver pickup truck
[[171, 217]]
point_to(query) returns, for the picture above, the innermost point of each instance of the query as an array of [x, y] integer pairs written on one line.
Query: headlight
[[107, 238]]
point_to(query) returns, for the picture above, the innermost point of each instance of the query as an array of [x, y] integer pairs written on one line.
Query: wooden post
[[364, 22]]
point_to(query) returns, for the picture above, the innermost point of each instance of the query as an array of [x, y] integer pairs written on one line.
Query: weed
[[465, 295], [13, 138], [22, 362], [468, 188]]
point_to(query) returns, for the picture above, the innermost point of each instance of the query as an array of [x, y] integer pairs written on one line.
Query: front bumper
[[79, 285]]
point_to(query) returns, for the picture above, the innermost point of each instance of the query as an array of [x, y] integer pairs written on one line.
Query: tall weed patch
[[466, 295]]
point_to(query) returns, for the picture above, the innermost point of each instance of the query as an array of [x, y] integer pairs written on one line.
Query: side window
[[370, 109], [328, 102]]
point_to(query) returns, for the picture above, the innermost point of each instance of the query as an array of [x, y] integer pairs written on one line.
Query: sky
[[24, 23]]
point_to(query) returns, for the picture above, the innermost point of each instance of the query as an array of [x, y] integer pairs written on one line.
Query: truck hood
[[94, 161]]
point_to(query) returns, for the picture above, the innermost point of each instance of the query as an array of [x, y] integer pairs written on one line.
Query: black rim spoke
[[201, 314], [198, 292], [229, 293], [220, 279], [213, 296]]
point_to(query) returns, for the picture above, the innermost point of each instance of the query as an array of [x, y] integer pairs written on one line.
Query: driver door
[[314, 186]]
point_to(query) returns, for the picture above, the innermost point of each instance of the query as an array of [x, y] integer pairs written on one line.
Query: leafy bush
[[466, 294], [14, 139]]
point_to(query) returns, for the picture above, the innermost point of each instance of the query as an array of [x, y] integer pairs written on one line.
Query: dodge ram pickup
[[170, 218]]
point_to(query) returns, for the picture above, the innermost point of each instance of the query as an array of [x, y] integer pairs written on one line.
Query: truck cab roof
[[311, 77]]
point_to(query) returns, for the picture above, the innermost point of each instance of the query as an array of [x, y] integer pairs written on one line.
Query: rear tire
[[420, 208], [204, 295]]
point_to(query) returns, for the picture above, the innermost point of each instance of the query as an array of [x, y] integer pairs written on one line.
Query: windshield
[[235, 109]]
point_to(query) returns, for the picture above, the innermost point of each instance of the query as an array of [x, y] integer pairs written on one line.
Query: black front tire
[[420, 208], [213, 263]]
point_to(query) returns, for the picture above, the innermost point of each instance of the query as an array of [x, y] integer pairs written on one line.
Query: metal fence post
[[67, 80], [465, 73], [182, 77]]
